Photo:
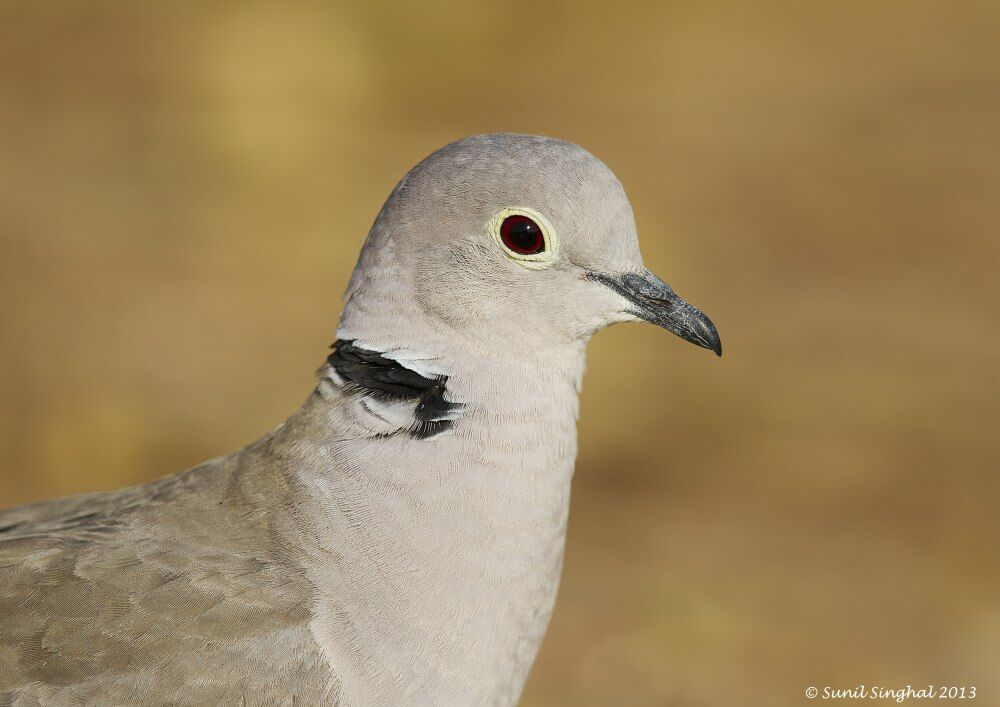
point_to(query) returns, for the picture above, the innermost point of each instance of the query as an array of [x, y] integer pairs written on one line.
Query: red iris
[[522, 235]]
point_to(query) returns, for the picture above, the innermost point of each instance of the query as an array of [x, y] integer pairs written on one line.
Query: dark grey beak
[[653, 300]]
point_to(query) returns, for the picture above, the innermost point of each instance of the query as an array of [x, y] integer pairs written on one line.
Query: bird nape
[[399, 539]]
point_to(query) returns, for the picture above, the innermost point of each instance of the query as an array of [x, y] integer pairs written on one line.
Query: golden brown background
[[184, 188]]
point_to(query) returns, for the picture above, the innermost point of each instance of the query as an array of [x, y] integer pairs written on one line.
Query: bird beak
[[653, 300]]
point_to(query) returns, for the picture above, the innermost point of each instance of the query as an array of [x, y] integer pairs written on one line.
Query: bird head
[[517, 238]]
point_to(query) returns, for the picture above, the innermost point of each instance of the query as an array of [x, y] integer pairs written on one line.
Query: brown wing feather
[[166, 593]]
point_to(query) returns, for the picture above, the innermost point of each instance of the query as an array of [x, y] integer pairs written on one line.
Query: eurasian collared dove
[[399, 539]]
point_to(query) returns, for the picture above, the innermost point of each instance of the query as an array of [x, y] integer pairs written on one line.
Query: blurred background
[[184, 188]]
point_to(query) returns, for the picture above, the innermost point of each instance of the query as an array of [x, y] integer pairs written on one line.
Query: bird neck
[[440, 556]]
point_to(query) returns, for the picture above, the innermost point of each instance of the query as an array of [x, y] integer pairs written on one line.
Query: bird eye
[[522, 235], [525, 236]]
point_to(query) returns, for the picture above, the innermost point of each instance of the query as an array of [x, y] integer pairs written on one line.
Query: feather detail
[[386, 382]]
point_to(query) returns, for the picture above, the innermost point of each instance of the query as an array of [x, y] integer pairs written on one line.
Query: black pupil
[[523, 235]]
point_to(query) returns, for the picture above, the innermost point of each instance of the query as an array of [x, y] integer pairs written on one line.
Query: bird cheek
[[444, 285]]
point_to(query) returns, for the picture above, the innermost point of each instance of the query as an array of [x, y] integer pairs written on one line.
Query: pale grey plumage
[[352, 556]]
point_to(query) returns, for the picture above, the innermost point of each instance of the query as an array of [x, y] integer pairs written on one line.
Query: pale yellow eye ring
[[534, 261]]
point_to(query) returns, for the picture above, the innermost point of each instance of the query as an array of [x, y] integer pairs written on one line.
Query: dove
[[399, 539]]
